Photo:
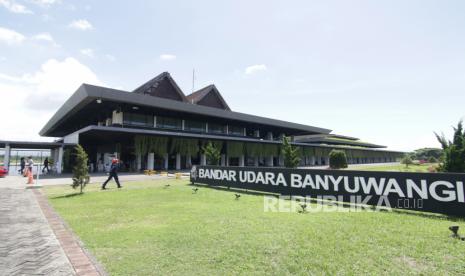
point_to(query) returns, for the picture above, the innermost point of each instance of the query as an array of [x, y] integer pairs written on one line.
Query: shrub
[[406, 160], [337, 159], [454, 151], [212, 154], [290, 153], [80, 172], [432, 159]]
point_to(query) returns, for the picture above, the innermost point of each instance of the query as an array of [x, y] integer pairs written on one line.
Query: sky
[[388, 72]]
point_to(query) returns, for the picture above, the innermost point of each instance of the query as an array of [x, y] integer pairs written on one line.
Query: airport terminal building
[[157, 126]]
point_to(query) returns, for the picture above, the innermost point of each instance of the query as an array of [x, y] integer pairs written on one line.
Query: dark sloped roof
[[87, 94], [152, 86], [197, 96]]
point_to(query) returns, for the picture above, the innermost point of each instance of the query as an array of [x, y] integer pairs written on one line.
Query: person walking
[[22, 164], [30, 164], [113, 173], [46, 163]]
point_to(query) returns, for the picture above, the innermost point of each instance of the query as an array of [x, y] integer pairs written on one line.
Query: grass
[[148, 229], [396, 168]]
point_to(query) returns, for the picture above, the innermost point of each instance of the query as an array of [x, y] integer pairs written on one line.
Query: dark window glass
[[236, 130], [169, 123], [194, 126], [135, 119], [216, 128]]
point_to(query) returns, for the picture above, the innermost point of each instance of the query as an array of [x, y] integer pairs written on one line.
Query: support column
[[269, 161], [6, 158], [281, 161], [139, 161], [311, 160], [255, 160], [241, 161], [327, 161], [165, 159], [178, 161], [227, 160], [188, 161], [150, 160], [203, 160], [223, 160], [59, 161]]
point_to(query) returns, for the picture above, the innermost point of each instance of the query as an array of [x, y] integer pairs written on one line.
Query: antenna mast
[[193, 79]]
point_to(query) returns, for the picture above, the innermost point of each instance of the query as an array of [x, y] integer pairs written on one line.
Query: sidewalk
[[28, 238]]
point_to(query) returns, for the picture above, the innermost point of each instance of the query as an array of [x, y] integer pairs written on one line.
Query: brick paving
[[34, 240]]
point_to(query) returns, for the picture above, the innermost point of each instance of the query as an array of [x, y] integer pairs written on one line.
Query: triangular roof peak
[[208, 96], [162, 86]]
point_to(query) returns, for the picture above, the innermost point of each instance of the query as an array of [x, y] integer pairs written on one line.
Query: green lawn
[[147, 229], [395, 168]]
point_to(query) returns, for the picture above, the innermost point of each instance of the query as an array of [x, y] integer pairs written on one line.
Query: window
[[169, 123], [135, 119], [194, 126], [236, 130], [216, 128]]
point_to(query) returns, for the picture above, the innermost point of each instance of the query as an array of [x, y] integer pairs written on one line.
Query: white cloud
[[110, 57], [11, 37], [46, 3], [14, 7], [87, 52], [167, 57], [45, 37], [255, 68], [39, 94], [81, 24]]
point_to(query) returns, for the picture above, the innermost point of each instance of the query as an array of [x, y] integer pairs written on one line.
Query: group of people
[[29, 165]]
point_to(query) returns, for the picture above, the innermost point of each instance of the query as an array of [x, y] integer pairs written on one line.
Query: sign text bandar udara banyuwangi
[[438, 192]]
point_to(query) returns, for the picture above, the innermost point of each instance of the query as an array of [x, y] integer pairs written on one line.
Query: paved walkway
[[28, 238]]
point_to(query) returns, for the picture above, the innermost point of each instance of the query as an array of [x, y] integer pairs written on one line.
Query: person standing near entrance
[[46, 162], [22, 164], [30, 164], [113, 173]]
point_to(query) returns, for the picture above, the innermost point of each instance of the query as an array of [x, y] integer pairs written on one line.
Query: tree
[[406, 160], [290, 153], [213, 154], [337, 159], [454, 151], [80, 172], [432, 159]]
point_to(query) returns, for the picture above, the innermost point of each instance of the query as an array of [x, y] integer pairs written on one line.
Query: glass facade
[[236, 130], [216, 128], [195, 126], [134, 119], [169, 123], [162, 122]]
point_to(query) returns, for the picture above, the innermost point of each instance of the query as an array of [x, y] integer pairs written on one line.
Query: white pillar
[[59, 161], [150, 160], [256, 161], [281, 161], [312, 160], [327, 161], [139, 161], [178, 161], [165, 159], [269, 161], [241, 161], [188, 161], [6, 158], [223, 160], [227, 160], [203, 160]]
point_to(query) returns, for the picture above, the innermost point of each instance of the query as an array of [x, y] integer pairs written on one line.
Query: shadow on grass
[[67, 196], [437, 216]]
